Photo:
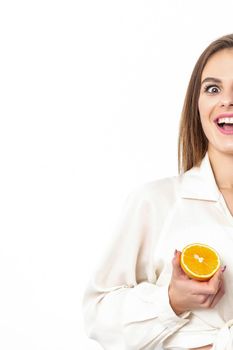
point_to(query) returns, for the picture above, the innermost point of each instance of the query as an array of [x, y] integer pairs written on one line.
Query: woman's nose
[[227, 99]]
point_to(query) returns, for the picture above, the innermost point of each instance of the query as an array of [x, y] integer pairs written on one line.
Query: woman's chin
[[227, 148]]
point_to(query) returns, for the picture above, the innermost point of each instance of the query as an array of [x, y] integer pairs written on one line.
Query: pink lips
[[223, 131]]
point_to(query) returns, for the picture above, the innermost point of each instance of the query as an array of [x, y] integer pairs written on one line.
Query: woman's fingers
[[177, 271], [219, 295], [212, 300], [213, 284], [209, 301], [210, 287]]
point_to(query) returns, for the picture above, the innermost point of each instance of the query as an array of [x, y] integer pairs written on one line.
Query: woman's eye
[[212, 89]]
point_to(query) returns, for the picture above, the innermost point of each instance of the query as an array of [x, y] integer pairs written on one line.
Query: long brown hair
[[192, 142]]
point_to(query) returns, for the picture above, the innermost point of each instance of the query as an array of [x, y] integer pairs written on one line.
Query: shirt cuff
[[167, 315], [158, 299]]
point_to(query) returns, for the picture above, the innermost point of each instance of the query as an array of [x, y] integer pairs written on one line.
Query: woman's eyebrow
[[216, 80]]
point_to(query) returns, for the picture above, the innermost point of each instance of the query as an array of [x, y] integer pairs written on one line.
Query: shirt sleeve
[[124, 307]]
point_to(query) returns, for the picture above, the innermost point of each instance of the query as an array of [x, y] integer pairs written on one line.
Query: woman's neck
[[222, 165]]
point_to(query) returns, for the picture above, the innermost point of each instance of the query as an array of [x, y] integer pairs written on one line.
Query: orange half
[[199, 261]]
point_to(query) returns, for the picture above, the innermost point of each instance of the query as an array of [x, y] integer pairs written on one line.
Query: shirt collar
[[199, 182]]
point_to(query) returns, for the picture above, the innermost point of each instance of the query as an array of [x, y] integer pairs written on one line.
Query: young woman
[[140, 298]]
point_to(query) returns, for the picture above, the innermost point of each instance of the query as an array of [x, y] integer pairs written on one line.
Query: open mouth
[[225, 125]]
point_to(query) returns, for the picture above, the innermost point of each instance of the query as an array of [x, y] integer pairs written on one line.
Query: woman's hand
[[186, 294]]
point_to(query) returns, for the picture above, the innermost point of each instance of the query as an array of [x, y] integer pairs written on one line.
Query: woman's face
[[216, 101]]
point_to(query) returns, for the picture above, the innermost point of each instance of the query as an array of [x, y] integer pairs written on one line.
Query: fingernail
[[223, 268], [175, 252]]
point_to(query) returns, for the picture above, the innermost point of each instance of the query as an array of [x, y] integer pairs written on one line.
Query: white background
[[91, 96]]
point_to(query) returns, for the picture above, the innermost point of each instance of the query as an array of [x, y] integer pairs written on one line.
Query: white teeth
[[225, 120]]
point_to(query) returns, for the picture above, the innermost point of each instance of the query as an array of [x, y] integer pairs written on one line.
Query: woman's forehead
[[219, 65]]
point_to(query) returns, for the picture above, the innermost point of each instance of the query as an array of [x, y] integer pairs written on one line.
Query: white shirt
[[126, 304]]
